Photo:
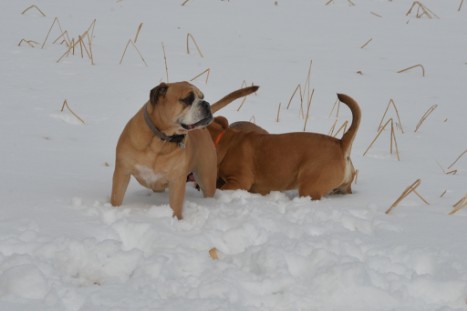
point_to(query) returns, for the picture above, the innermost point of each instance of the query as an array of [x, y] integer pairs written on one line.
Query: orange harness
[[219, 137]]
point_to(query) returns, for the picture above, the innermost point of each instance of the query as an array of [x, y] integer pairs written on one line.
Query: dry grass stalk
[[349, 1], [31, 43], [308, 82], [165, 62], [65, 105], [207, 72], [412, 67], [392, 139], [137, 50], [82, 45], [65, 38], [56, 20], [376, 14], [278, 112], [451, 172], [338, 105], [33, 7], [391, 103], [366, 43], [458, 205], [138, 30], [188, 36], [458, 158], [460, 6], [425, 116], [308, 110], [185, 2], [442, 194], [421, 10], [244, 98], [342, 128], [299, 89], [404, 194]]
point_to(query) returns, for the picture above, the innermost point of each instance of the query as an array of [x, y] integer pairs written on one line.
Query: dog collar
[[178, 139], [219, 137]]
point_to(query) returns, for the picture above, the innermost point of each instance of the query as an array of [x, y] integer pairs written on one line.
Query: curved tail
[[233, 96], [349, 136]]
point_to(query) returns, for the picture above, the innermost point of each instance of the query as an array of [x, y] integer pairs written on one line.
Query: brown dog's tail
[[233, 96], [349, 136]]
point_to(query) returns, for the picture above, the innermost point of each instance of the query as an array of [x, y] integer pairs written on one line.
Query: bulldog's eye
[[189, 99]]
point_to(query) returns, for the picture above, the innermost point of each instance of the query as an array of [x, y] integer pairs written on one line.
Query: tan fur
[[158, 164], [316, 164]]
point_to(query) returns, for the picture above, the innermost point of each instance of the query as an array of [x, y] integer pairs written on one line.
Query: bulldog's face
[[179, 107]]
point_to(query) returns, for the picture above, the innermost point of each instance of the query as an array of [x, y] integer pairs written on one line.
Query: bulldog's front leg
[[120, 181], [177, 196]]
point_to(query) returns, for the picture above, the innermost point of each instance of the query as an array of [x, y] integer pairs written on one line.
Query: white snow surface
[[63, 247]]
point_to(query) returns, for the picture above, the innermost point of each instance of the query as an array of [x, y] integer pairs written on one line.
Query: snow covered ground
[[63, 247]]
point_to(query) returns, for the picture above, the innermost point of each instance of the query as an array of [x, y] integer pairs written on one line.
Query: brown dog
[[166, 140], [316, 164]]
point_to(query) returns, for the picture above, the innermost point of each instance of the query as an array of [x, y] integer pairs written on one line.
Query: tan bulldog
[[314, 163], [166, 140]]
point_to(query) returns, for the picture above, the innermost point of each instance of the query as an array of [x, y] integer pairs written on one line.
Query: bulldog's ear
[[158, 91], [222, 121]]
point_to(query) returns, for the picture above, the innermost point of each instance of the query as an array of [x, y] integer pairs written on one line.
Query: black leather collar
[[178, 139]]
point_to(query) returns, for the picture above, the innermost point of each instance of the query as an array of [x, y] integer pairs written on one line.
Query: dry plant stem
[[65, 37], [442, 194], [366, 43], [423, 9], [458, 158], [137, 32], [188, 36], [299, 89], [207, 72], [308, 81], [137, 50], [391, 102], [56, 20], [425, 115], [376, 14], [342, 128], [460, 6], [278, 112], [392, 138], [412, 67], [338, 105], [308, 110], [31, 43], [65, 105], [458, 205], [404, 194], [33, 7], [185, 2], [165, 62]]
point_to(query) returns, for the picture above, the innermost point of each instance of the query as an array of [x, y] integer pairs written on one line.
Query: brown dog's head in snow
[[179, 107]]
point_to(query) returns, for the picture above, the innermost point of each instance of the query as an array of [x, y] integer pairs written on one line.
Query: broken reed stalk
[[458, 158], [188, 36], [425, 115], [376, 14], [412, 67], [424, 10], [138, 30], [451, 172], [460, 6], [278, 112], [65, 37], [308, 81], [33, 7], [391, 102], [165, 62], [337, 104], [137, 50], [244, 98], [458, 205], [366, 43], [299, 89], [207, 72], [392, 139], [308, 110], [56, 20], [31, 43], [342, 128], [65, 105], [185, 2], [404, 194]]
